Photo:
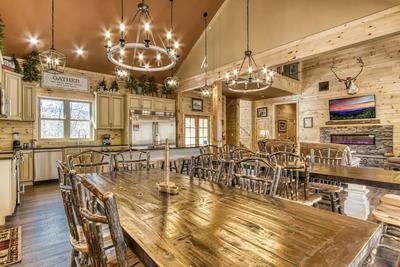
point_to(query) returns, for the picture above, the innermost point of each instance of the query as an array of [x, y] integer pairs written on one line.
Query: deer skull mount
[[349, 82]]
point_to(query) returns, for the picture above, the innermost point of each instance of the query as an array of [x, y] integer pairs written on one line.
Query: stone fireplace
[[369, 142]]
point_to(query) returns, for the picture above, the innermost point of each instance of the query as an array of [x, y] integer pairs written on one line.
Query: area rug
[[10, 246]]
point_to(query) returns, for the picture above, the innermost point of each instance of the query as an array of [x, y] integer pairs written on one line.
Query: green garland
[[31, 67], [2, 26]]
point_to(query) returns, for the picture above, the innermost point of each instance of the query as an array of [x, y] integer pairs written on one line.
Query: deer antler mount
[[349, 82]]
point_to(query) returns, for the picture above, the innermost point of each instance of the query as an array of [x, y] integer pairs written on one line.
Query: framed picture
[[308, 122], [282, 126], [262, 112], [197, 104]]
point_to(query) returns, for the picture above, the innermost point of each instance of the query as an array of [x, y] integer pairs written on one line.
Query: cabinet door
[[27, 168], [117, 112], [159, 105], [134, 102], [28, 102], [170, 106], [103, 112], [12, 86], [147, 103]]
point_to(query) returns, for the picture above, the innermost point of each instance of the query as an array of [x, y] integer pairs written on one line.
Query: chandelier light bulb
[[121, 60], [57, 62], [146, 66], [108, 34], [79, 51], [250, 69], [109, 44], [147, 27], [33, 41], [176, 45], [235, 72], [227, 75], [172, 52], [141, 57], [48, 60], [158, 57], [169, 35], [271, 73], [122, 27], [122, 52]]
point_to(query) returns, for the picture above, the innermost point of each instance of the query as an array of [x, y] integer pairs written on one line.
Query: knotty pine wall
[[381, 77], [29, 130]]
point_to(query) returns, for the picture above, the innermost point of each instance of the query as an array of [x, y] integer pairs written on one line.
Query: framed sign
[[262, 112], [197, 104], [282, 126], [308, 122], [65, 82]]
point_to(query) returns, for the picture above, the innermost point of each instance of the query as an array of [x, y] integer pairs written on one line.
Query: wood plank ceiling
[[83, 23]]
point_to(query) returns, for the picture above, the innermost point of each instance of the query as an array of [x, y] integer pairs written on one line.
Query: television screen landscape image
[[359, 107]]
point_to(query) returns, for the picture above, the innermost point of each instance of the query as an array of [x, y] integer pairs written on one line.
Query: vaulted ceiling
[[81, 24]]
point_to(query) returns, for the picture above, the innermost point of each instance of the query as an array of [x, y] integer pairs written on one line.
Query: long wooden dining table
[[209, 224]]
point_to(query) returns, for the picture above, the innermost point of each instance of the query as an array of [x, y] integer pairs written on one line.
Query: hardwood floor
[[45, 231], [44, 227]]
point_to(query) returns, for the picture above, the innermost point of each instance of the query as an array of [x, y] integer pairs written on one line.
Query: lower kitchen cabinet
[[26, 168]]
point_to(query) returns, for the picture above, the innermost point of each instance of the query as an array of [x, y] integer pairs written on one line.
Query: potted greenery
[[131, 84], [114, 87], [2, 26], [31, 64], [142, 86], [152, 86], [17, 67], [102, 86]]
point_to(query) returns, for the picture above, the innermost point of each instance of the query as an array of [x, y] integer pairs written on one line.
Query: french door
[[197, 130]]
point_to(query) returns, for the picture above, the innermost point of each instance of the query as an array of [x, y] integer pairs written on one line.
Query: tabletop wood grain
[[367, 176], [211, 225]]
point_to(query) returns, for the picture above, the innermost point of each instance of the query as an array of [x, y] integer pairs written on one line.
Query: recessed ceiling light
[[33, 40]]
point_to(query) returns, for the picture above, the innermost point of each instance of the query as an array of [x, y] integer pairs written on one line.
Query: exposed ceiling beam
[[378, 25]]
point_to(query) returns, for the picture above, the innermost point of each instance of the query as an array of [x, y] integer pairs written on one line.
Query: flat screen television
[[352, 108]]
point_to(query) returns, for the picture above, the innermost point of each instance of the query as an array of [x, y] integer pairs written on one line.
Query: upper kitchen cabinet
[[28, 101], [110, 111], [12, 83], [148, 103]]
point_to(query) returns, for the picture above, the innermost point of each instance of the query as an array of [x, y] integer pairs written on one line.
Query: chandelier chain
[[248, 27], [52, 24]]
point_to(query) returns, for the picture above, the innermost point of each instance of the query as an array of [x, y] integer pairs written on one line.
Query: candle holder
[[166, 185]]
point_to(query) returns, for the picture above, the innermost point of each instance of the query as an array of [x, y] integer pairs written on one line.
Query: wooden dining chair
[[254, 174], [329, 189], [90, 197], [131, 160], [91, 161], [210, 149], [207, 166], [283, 147], [79, 254], [241, 153]]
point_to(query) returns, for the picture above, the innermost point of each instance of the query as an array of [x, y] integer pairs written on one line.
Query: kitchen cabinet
[[8, 188], [12, 83], [28, 102], [135, 102], [110, 111], [26, 167], [148, 103]]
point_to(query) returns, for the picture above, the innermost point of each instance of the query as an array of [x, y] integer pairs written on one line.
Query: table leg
[[357, 204]]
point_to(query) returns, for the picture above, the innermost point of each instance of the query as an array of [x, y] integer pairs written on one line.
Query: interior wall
[[245, 123], [232, 121], [29, 130], [380, 78], [272, 24]]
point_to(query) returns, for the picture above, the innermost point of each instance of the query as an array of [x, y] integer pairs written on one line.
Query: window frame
[[67, 119], [197, 129]]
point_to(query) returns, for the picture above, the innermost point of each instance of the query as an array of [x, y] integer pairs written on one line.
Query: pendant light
[[257, 79], [206, 89], [51, 60], [171, 82]]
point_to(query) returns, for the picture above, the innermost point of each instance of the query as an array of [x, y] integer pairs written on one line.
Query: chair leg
[[74, 257]]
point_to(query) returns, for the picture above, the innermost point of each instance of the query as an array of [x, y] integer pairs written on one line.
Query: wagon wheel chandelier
[[256, 79], [51, 60], [171, 82], [149, 52], [206, 89]]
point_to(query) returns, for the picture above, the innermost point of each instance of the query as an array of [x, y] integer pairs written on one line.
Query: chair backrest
[[131, 160], [207, 166], [90, 161], [328, 156], [254, 174], [70, 209], [98, 209], [241, 153], [284, 147], [283, 157], [210, 149]]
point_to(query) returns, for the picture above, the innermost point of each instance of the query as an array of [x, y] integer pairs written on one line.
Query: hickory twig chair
[[131, 160], [90, 197], [254, 174], [207, 166], [329, 189], [91, 161]]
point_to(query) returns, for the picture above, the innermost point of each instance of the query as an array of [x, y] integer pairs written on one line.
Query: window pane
[[52, 129], [51, 109], [80, 129], [80, 111], [203, 141]]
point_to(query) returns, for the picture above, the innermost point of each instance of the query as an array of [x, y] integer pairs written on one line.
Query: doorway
[[286, 121]]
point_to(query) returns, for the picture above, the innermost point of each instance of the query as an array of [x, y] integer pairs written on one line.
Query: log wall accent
[[232, 121], [380, 78]]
